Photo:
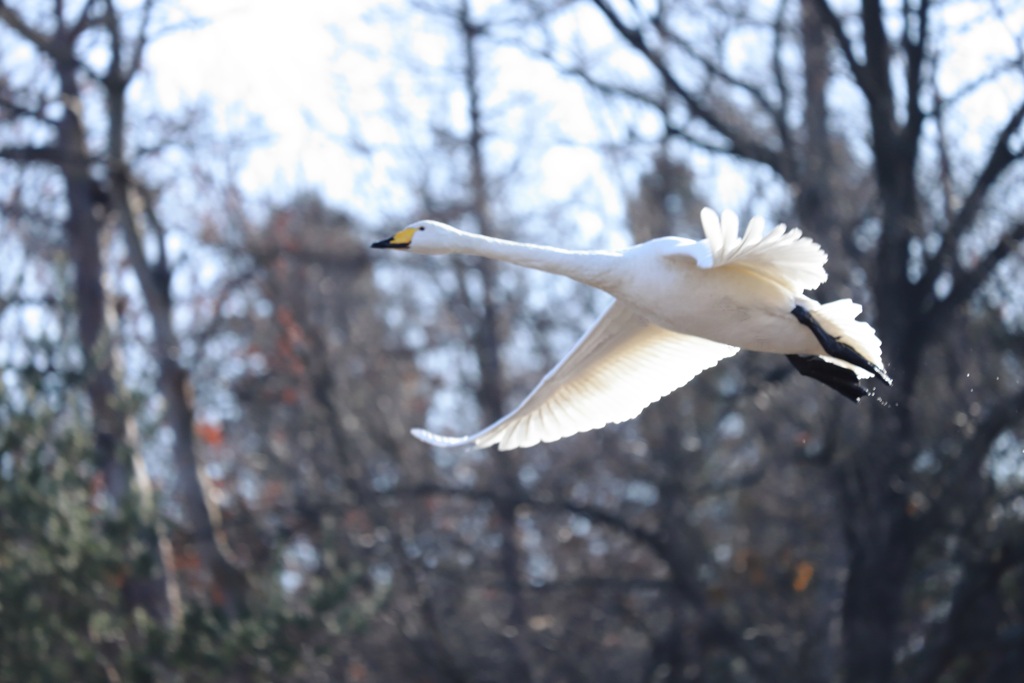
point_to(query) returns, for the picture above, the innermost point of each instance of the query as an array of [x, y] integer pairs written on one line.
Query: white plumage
[[681, 307]]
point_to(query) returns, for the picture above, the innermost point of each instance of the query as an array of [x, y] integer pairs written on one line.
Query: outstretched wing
[[618, 368], [786, 257], [839, 320]]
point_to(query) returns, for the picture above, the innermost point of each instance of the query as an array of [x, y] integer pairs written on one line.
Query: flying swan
[[680, 307]]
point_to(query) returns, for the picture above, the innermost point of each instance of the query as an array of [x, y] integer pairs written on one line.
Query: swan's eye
[[422, 228]]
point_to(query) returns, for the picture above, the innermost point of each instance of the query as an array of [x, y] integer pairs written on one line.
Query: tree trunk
[[881, 540], [491, 391], [228, 583], [116, 456]]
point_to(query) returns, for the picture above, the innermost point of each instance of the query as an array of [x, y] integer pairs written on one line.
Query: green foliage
[[61, 561], [69, 564]]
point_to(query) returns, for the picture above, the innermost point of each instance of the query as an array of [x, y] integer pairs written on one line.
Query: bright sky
[[315, 70], [274, 59]]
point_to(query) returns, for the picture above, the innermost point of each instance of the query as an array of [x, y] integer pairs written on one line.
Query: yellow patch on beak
[[401, 240], [403, 237]]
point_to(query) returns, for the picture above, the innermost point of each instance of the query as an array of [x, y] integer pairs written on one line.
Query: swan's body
[[681, 306]]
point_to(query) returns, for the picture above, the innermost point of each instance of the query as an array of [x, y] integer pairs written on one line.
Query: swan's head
[[424, 237]]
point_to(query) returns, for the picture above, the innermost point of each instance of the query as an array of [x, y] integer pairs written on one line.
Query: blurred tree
[[42, 100], [71, 117], [920, 226], [318, 436], [751, 527], [105, 581], [69, 565]]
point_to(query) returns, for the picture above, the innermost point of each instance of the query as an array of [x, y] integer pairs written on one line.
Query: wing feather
[[785, 257], [618, 368], [839, 319]]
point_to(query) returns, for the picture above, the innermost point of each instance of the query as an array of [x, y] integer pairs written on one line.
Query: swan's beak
[[400, 240]]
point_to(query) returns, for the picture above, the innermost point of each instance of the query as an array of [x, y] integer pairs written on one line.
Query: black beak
[[388, 244]]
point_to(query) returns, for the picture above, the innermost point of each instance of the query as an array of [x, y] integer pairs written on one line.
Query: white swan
[[680, 307]]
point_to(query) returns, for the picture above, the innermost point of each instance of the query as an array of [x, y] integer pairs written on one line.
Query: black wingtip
[[843, 380], [836, 348]]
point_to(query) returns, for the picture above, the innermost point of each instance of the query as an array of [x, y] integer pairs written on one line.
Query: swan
[[680, 307]]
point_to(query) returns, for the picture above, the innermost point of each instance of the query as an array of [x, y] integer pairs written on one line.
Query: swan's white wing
[[839, 319], [618, 368], [786, 257]]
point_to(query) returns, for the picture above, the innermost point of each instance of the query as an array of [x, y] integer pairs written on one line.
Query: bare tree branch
[[949, 485], [47, 155], [966, 283], [12, 18], [914, 48], [36, 113], [122, 69], [85, 20], [833, 21], [738, 144], [714, 625], [999, 159], [877, 52], [141, 40], [775, 113], [978, 580], [780, 76], [595, 514]]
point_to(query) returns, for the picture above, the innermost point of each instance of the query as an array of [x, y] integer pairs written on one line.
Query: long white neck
[[600, 269]]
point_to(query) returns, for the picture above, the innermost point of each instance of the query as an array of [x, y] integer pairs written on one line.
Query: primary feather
[[787, 257], [619, 367]]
